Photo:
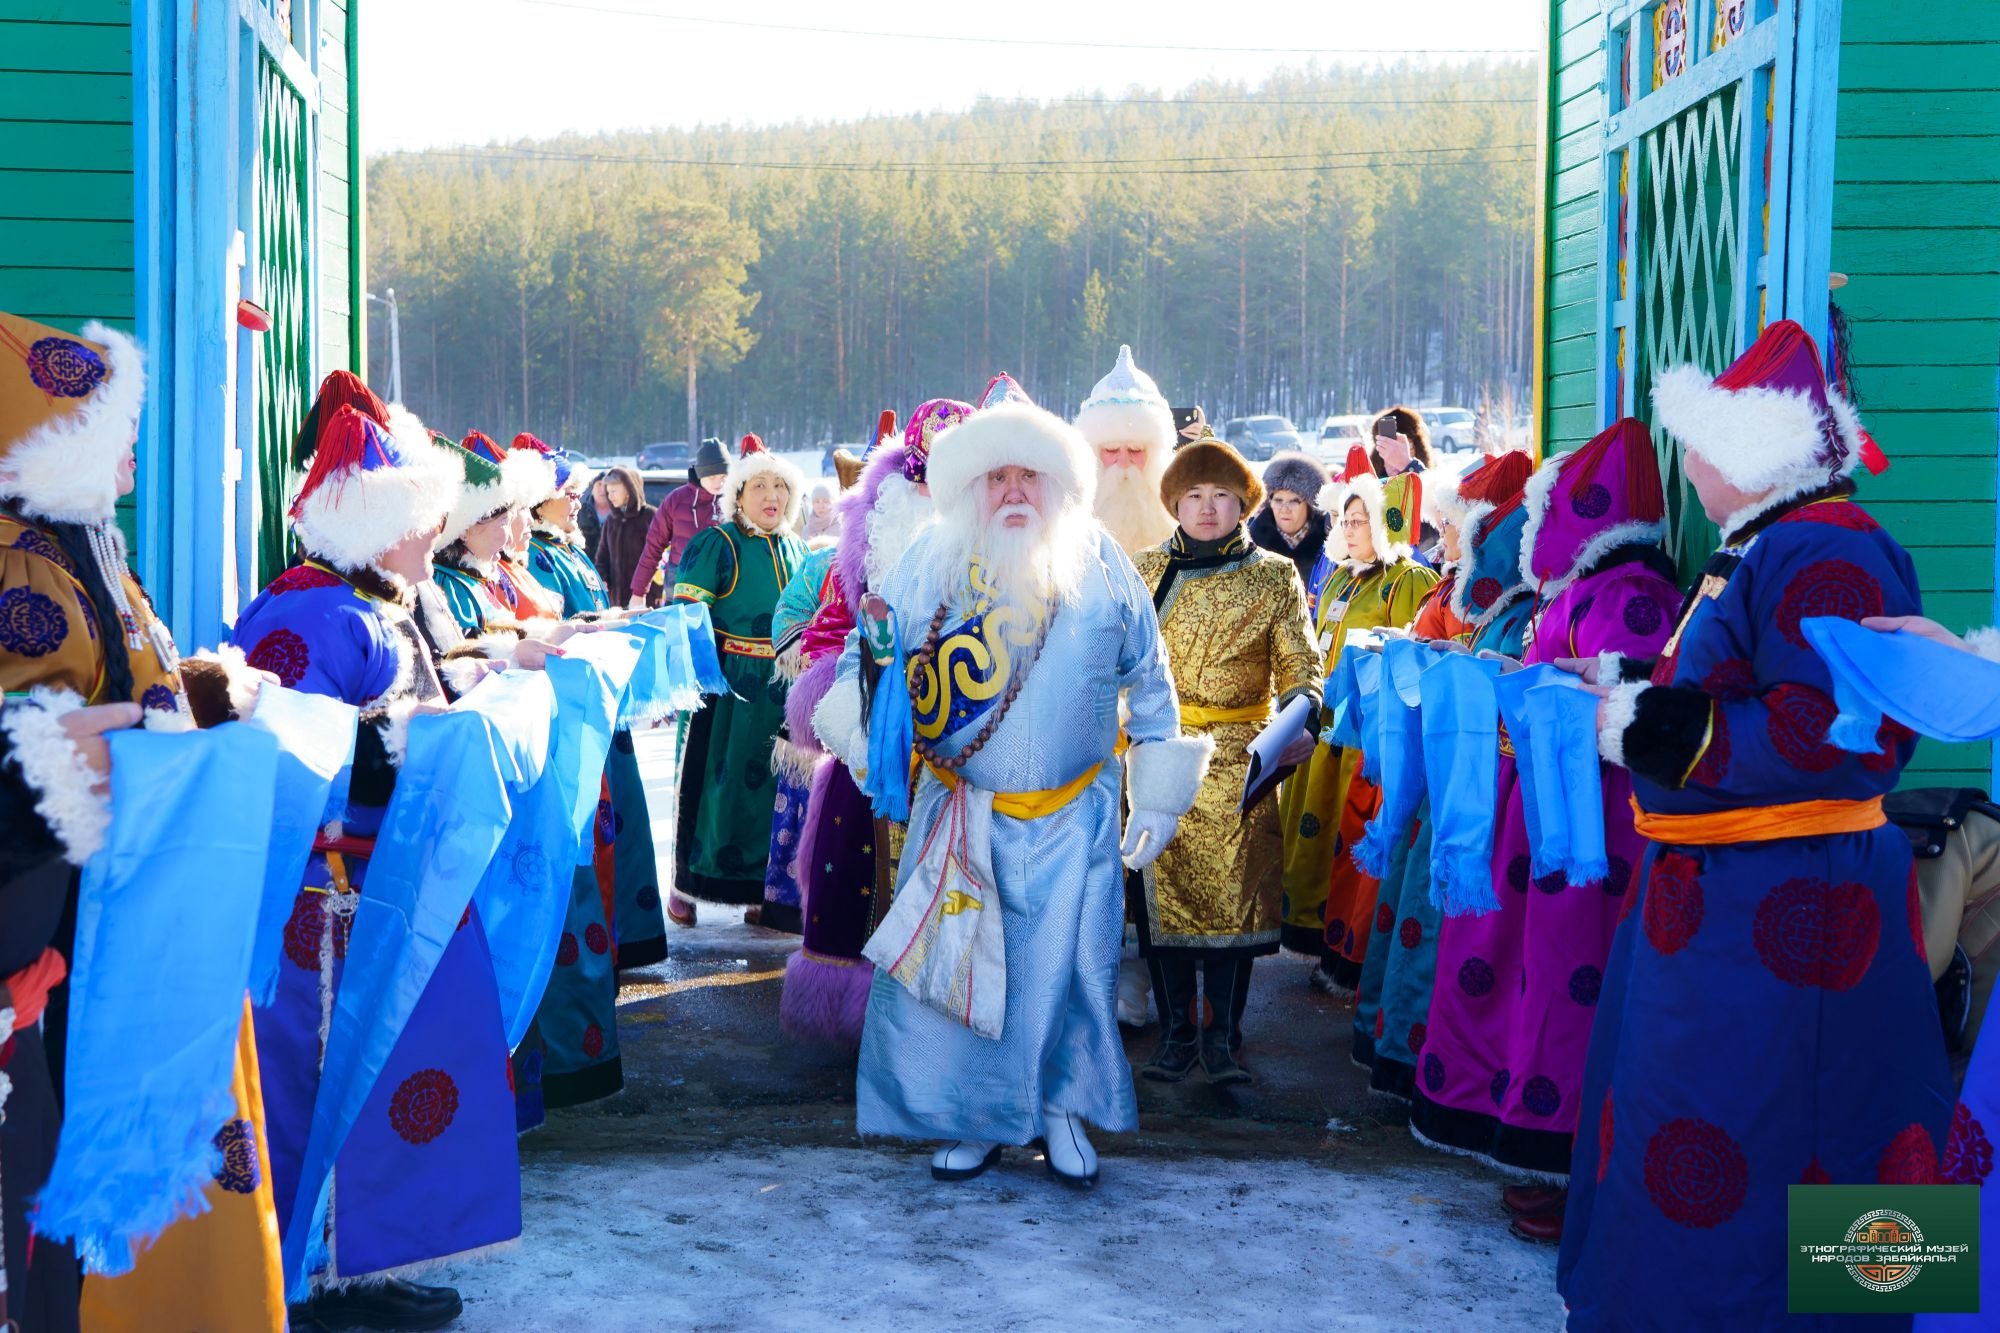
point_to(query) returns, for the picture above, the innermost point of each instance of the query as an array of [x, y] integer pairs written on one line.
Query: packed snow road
[[725, 1188]]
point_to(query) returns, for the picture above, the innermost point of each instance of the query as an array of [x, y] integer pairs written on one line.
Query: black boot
[[1179, 1050], [1222, 978], [389, 1304]]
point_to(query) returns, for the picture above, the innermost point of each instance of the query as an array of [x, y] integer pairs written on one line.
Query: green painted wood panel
[[1575, 204], [1916, 197], [80, 196], [335, 315], [66, 165]]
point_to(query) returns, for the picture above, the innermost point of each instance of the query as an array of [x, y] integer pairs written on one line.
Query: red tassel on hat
[[1357, 463], [752, 444], [885, 425]]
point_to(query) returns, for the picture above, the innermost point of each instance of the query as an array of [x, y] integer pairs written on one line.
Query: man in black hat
[[686, 510]]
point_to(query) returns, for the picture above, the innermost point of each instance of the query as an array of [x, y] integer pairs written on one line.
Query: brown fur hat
[[1210, 462]]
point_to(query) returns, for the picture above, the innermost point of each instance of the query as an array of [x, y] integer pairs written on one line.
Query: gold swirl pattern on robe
[[1236, 636], [974, 663]]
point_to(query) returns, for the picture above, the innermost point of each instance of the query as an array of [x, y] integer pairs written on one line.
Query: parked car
[[1452, 428], [1336, 436], [667, 457], [1260, 437], [660, 482]]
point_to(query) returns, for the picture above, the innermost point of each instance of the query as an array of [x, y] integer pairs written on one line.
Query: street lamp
[[395, 344]]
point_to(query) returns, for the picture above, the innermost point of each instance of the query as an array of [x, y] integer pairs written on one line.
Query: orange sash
[[1760, 823]]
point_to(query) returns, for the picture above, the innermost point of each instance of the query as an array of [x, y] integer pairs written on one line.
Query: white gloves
[[1147, 833]]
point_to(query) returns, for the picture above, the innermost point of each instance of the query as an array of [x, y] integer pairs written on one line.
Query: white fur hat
[[762, 462], [1127, 406], [1015, 433], [366, 491], [68, 408]]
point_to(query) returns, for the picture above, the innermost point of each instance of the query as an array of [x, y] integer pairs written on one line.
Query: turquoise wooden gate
[[1717, 180], [283, 278]]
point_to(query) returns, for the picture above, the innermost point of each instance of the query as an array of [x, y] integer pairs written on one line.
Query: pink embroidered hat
[[937, 415], [1585, 504]]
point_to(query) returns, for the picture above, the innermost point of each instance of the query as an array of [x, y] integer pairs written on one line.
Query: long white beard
[[1128, 505], [1028, 566], [900, 513]]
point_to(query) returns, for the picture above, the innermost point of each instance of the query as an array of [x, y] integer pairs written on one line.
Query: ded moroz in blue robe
[[1061, 882]]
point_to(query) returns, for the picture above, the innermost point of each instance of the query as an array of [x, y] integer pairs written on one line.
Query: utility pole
[[395, 344]]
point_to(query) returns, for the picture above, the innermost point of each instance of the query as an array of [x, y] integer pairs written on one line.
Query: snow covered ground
[[861, 1237]]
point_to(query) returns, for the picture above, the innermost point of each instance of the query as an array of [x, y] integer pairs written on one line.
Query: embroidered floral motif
[[1696, 1173], [1968, 1153], [1811, 933], [1590, 500], [1827, 588], [1475, 977], [299, 578], [1541, 1096], [239, 1172], [1673, 908], [1799, 718], [283, 654], [304, 928], [424, 1105], [1412, 933], [31, 625], [1910, 1159], [65, 368], [38, 544]]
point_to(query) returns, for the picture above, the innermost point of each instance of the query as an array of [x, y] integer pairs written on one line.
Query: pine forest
[[1329, 241]]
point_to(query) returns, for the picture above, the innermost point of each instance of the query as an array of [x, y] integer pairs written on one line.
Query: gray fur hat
[[1295, 472]]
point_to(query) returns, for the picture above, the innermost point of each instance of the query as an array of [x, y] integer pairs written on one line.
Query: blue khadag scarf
[[1900, 674], [315, 748], [1399, 748], [892, 734], [1461, 718], [446, 820], [153, 1028], [1567, 835]]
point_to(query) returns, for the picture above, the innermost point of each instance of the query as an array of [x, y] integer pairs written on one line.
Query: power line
[[986, 40]]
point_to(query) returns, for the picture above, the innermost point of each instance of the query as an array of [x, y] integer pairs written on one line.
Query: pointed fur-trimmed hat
[[1008, 429], [1768, 423], [1126, 406], [1490, 575], [1209, 462], [1497, 478], [480, 493], [760, 461], [1586, 504], [568, 474], [528, 476], [69, 408], [339, 388], [368, 490], [926, 423]]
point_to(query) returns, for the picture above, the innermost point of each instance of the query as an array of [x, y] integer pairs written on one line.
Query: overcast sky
[[439, 72]]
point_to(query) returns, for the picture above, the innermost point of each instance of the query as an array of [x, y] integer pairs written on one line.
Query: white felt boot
[[1071, 1158], [963, 1160]]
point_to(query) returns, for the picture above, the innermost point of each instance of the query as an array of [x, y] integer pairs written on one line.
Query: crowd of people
[[1030, 727]]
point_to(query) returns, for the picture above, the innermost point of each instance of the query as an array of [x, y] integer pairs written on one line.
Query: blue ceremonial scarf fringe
[[670, 676], [315, 748], [1567, 835], [1461, 715], [702, 656], [442, 828], [164, 933], [1899, 674], [892, 736], [1399, 747]]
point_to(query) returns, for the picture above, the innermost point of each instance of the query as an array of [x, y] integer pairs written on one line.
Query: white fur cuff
[[1621, 710], [54, 767], [462, 673], [243, 680], [1163, 776], [1610, 668], [1985, 642], [395, 726], [838, 723]]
